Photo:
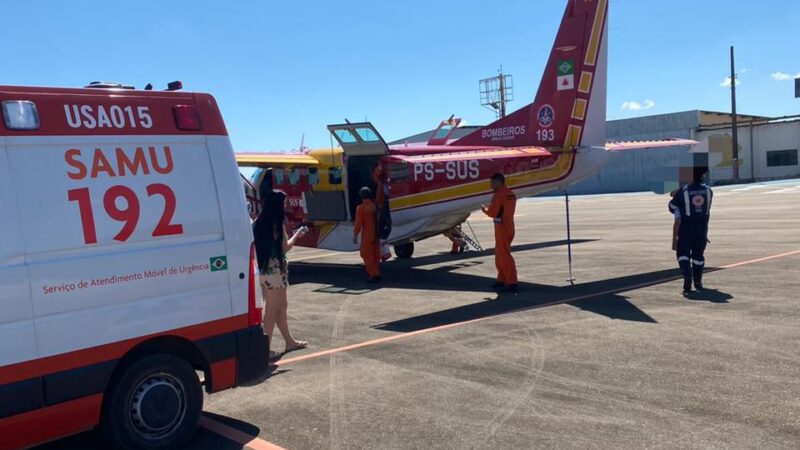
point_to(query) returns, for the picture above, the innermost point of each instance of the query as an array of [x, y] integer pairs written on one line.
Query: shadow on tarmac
[[202, 439], [404, 274], [710, 295], [447, 256], [532, 296]]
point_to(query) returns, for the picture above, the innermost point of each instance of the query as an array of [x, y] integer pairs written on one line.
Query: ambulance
[[128, 278]]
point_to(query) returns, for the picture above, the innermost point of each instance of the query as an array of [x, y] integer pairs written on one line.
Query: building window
[[782, 158]]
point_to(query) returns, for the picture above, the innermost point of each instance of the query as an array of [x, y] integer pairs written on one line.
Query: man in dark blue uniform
[[691, 206]]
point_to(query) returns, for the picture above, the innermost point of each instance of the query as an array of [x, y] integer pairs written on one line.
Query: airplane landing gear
[[404, 251]]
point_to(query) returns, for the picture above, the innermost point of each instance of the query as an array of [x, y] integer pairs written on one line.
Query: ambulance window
[[367, 135], [335, 175], [345, 136], [398, 171], [313, 176]]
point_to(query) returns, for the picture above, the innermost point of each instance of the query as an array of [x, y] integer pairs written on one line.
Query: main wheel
[[404, 251], [154, 404]]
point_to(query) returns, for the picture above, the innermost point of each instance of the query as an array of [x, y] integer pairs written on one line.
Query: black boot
[[697, 274], [686, 271]]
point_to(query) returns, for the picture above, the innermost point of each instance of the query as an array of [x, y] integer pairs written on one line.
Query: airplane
[[555, 141]]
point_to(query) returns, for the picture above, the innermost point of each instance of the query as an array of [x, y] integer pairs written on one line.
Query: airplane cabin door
[[363, 148]]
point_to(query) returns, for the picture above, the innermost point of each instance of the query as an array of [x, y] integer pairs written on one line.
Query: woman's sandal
[[298, 345]]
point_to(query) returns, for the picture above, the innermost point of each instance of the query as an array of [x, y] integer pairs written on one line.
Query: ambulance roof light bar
[[20, 115]]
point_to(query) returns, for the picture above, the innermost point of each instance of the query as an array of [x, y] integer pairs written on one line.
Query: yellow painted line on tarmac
[[240, 437], [396, 337]]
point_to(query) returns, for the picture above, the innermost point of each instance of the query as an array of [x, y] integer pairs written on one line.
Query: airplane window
[[335, 175], [367, 135], [345, 136], [279, 175], [398, 171], [313, 176], [294, 176]]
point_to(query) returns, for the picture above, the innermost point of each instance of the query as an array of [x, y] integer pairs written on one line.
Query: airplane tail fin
[[570, 107]]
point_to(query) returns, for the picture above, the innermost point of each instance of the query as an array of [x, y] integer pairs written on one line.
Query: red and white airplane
[[553, 142]]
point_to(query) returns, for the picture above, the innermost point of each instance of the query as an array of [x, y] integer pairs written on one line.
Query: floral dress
[[276, 274]]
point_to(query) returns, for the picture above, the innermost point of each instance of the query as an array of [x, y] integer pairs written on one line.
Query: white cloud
[[727, 82], [636, 106], [780, 76]]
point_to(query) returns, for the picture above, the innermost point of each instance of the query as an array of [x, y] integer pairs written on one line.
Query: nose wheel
[[404, 251]]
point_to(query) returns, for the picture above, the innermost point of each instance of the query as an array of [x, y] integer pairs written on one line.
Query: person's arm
[[494, 209], [358, 224], [675, 228], [288, 244]]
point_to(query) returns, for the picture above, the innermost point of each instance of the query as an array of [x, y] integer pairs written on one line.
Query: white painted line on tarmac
[[791, 190]]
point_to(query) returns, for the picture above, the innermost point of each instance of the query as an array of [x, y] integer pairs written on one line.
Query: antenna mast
[[496, 92]]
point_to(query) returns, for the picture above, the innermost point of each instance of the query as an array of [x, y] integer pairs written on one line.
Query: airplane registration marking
[[452, 170], [557, 171]]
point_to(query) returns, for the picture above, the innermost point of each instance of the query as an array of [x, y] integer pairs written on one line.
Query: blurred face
[[496, 184]]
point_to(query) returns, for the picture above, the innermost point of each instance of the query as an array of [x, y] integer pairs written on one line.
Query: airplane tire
[[404, 251]]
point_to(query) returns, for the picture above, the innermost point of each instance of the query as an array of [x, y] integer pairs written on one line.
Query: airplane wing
[[258, 159], [618, 146]]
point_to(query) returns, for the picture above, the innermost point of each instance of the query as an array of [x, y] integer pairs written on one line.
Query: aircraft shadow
[[403, 273], [447, 256], [601, 297]]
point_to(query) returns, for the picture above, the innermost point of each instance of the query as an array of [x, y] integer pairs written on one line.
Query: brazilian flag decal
[[218, 263]]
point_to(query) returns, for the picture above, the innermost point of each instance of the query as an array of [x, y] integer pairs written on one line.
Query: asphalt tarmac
[[434, 358]]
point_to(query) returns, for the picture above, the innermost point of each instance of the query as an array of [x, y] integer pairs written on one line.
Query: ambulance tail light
[[255, 303], [20, 115], [187, 117]]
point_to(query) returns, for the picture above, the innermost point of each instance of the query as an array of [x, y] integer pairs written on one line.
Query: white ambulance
[[127, 265]]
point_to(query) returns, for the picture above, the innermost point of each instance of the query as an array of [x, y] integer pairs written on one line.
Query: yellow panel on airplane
[[254, 159]]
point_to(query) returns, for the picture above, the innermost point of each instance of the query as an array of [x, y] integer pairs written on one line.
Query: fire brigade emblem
[[698, 201], [546, 116]]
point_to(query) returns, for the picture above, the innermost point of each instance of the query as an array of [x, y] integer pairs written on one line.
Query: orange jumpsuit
[[504, 202], [366, 224]]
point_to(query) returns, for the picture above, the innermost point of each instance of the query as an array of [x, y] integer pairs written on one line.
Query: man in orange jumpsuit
[[504, 202], [367, 225]]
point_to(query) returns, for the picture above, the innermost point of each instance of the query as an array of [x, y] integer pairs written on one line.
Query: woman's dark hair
[[268, 228]]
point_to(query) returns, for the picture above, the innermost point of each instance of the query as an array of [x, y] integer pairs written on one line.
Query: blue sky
[[281, 70]]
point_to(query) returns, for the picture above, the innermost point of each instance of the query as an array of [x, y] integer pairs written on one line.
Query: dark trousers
[[692, 242]]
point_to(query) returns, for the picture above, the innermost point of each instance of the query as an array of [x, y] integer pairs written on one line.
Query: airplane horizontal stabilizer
[[618, 146]]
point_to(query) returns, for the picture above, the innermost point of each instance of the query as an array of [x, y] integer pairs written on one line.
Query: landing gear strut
[[404, 251]]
